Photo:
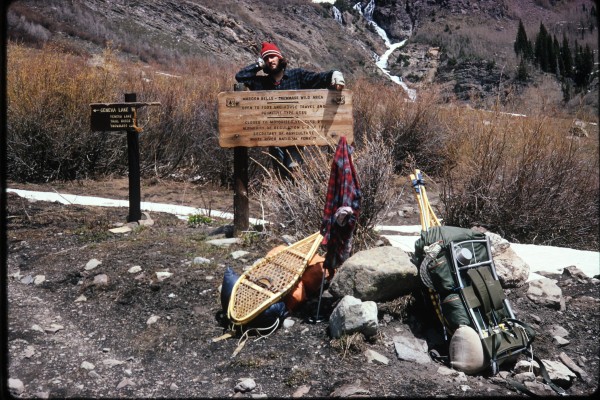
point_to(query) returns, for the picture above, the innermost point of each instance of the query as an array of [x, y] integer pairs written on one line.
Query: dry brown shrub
[[522, 177], [48, 116], [296, 207]]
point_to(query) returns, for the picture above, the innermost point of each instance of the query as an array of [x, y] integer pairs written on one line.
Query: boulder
[[378, 274], [352, 315], [511, 269]]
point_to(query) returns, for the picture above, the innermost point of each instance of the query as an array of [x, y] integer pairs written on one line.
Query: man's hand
[[337, 80], [260, 62]]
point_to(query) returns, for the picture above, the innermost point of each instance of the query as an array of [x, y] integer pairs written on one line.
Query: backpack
[[456, 265]]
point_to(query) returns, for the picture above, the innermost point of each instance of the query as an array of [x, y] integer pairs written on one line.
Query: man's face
[[272, 63]]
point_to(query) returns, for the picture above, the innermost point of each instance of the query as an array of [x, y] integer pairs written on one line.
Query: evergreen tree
[[556, 57], [522, 72], [541, 48], [567, 59], [584, 65], [521, 41]]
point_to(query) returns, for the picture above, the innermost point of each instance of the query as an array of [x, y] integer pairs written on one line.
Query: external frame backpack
[[457, 266]]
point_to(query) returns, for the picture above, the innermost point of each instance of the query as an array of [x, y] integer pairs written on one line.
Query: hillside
[[461, 48]]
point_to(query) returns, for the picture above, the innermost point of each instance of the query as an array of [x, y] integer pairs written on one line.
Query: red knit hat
[[270, 49]]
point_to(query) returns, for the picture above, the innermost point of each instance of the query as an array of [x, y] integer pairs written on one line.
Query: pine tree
[[556, 57], [541, 48], [522, 72], [567, 59], [521, 41]]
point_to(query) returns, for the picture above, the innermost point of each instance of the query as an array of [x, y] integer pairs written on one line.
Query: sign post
[[241, 205], [133, 154], [123, 117], [278, 118]]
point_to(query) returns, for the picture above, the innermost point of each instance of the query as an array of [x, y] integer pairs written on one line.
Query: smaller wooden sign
[[284, 117], [113, 117]]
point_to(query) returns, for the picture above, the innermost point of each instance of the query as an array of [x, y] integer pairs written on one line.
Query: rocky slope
[[471, 40]]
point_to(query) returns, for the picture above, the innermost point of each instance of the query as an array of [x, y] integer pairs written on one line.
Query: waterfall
[[381, 61]]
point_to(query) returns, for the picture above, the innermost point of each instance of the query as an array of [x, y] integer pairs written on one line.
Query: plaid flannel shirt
[[343, 190]]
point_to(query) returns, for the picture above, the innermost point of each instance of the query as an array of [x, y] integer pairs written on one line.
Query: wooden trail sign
[[284, 117]]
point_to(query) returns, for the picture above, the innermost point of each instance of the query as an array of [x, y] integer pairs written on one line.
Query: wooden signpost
[[123, 117], [278, 118]]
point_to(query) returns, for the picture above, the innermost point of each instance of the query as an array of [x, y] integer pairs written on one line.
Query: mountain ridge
[[472, 57]]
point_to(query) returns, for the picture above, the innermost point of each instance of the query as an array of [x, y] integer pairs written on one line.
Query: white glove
[[260, 62], [337, 80]]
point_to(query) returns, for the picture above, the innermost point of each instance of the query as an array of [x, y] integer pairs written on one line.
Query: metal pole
[[133, 152]]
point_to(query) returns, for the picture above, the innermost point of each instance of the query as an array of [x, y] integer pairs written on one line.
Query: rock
[[301, 391], [153, 319], [121, 229], [87, 365], [288, 323], [27, 280], [560, 341], [557, 330], [349, 390], [80, 299], [135, 269], [36, 327], [409, 348], [351, 315], [224, 242], [42, 395], [173, 387], [559, 373], [112, 362], [377, 274], [574, 367], [29, 352], [498, 243], [545, 292], [93, 263], [39, 279], [53, 328], [146, 220], [239, 254], [525, 377], [526, 366], [575, 272], [16, 385], [245, 385], [201, 260], [101, 280], [373, 356], [162, 275], [94, 374], [511, 269], [125, 382]]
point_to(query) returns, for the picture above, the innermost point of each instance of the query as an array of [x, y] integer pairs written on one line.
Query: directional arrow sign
[[113, 117]]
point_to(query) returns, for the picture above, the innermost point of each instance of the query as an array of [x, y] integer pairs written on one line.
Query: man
[[273, 64]]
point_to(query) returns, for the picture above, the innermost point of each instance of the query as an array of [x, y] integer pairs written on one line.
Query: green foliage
[[197, 219], [522, 71], [522, 45]]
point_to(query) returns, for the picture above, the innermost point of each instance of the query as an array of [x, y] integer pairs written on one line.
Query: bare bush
[[523, 178], [297, 206], [412, 129]]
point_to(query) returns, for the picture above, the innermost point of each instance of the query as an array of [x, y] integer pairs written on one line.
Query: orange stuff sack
[[310, 283]]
